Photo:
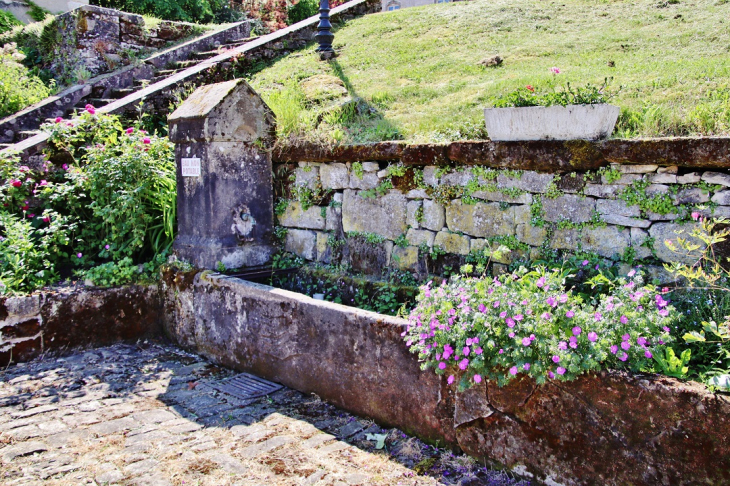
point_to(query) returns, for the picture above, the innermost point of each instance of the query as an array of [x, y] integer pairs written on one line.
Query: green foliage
[[568, 95], [370, 238], [199, 11], [37, 12], [123, 272], [611, 174], [671, 365], [635, 195], [303, 9], [358, 170], [114, 198], [280, 206], [280, 233], [8, 21], [19, 87], [529, 323], [401, 241]]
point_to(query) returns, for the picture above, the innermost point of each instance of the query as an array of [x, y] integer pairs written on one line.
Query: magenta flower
[[482, 308], [16, 183], [106, 247], [79, 255], [442, 365], [90, 109], [695, 215], [511, 334], [501, 351], [503, 314], [576, 331], [478, 351], [546, 316], [570, 314], [64, 166], [625, 337], [648, 354], [641, 341], [526, 341], [556, 359], [592, 337], [614, 349], [46, 219], [518, 317], [632, 273], [555, 70], [463, 364], [466, 350], [623, 357], [450, 380], [598, 316], [477, 378], [526, 367], [562, 345], [59, 119], [129, 130], [664, 312], [666, 329], [625, 345], [585, 262], [510, 322], [624, 320], [551, 375], [552, 302], [513, 370], [560, 370], [146, 140], [563, 298], [540, 282], [496, 304]]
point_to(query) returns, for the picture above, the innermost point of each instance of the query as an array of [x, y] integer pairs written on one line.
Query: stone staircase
[[102, 95]]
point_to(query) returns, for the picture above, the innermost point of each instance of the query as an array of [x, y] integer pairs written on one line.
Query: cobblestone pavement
[[145, 415]]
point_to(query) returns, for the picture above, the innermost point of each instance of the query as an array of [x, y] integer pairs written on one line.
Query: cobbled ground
[[145, 415]]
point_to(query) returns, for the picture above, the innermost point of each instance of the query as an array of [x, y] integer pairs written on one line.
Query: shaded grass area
[[415, 74]]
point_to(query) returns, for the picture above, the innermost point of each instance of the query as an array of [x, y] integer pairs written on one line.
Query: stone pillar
[[224, 187]]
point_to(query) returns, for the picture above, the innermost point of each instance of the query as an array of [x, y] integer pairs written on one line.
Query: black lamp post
[[324, 35]]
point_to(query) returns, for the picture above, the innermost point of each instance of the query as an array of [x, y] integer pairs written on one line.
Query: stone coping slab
[[610, 428], [541, 155]]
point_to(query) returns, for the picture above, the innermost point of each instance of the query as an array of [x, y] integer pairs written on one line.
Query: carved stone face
[[243, 223]]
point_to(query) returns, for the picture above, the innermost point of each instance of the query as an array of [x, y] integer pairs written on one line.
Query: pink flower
[[614, 349], [551, 375], [43, 183], [632, 273], [592, 337], [625, 345], [623, 357], [510, 322], [585, 262], [511, 334], [16, 183], [466, 350], [129, 130], [562, 345], [463, 364], [513, 370], [648, 354], [598, 316], [552, 302], [526, 341], [625, 337], [79, 255], [478, 351], [146, 140], [442, 365], [666, 329], [556, 359], [641, 341], [563, 298], [569, 314], [555, 70], [30, 216], [477, 378], [577, 330], [624, 320], [530, 88], [90, 109], [482, 308], [106, 247], [59, 119], [540, 282], [695, 215], [496, 304], [450, 380], [46, 219], [503, 314], [526, 367], [560, 370], [64, 166], [501, 351], [518, 317], [546, 316]]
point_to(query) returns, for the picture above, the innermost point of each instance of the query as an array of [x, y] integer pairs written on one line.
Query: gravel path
[[147, 415]]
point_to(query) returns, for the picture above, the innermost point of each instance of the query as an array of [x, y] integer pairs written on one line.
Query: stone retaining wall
[[412, 203], [609, 428], [53, 321]]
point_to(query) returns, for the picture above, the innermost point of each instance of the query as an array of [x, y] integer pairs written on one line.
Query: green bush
[[529, 323], [200, 11], [301, 10], [7, 21], [106, 195], [18, 87]]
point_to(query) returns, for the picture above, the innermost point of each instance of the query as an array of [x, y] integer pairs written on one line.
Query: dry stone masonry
[[621, 212]]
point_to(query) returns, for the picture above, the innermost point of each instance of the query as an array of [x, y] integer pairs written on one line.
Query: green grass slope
[[414, 74]]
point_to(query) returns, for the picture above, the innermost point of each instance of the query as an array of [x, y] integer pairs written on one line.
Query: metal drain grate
[[245, 386]]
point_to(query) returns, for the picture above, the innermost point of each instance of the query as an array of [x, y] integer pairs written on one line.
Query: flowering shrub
[[568, 95], [106, 193], [527, 323]]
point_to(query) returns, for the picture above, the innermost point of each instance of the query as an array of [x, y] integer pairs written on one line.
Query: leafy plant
[[568, 95], [670, 364]]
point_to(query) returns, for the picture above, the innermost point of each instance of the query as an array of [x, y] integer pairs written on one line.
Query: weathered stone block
[[434, 215], [457, 178], [722, 198], [638, 238], [663, 232], [480, 219], [23, 306], [616, 207], [635, 169], [531, 235], [716, 178], [333, 219], [411, 211], [307, 175], [606, 191], [420, 237], [405, 258], [661, 217], [302, 243], [568, 207], [369, 181], [324, 252], [530, 181], [296, 216], [656, 189], [452, 243], [417, 194], [673, 169], [619, 220], [523, 214], [565, 239], [662, 178], [385, 215], [625, 179], [429, 175], [369, 166], [691, 178], [334, 176], [525, 198], [692, 195], [608, 241]]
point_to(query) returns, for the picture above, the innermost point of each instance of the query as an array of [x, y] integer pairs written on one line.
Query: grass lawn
[[414, 74]]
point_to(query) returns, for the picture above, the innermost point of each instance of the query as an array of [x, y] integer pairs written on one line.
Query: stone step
[[95, 102], [25, 134], [186, 64], [118, 93], [205, 54]]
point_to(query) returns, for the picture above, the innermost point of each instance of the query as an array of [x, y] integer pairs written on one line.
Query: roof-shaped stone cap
[[229, 112]]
